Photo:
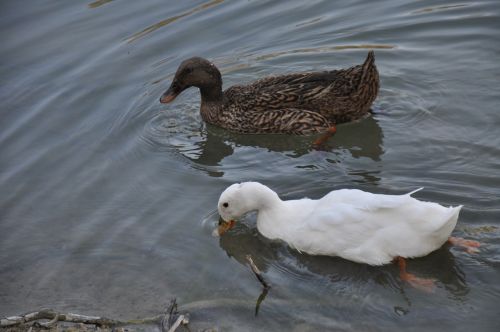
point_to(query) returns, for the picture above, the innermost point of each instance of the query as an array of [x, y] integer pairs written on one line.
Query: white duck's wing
[[365, 200], [426, 216], [336, 230], [373, 228]]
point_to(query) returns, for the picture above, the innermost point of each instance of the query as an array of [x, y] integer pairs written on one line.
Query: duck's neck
[[259, 197], [212, 99], [212, 93], [269, 207]]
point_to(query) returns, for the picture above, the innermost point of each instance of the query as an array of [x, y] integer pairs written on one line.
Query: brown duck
[[301, 103]]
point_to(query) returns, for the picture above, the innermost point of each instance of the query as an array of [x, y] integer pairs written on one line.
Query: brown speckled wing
[[302, 103]]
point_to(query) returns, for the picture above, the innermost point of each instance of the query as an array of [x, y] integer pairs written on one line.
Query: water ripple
[[172, 19]]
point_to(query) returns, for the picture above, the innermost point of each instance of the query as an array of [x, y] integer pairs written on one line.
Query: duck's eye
[[225, 204]]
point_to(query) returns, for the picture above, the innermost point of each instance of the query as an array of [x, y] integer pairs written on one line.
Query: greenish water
[[107, 197]]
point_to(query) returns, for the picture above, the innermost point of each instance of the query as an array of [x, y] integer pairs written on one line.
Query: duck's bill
[[168, 97], [224, 226]]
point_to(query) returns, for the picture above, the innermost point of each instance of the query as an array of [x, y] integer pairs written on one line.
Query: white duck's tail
[[450, 220], [414, 191]]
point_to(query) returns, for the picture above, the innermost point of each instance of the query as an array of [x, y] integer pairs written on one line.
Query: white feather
[[350, 223]]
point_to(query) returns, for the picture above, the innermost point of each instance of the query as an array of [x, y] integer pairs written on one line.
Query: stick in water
[[257, 272]]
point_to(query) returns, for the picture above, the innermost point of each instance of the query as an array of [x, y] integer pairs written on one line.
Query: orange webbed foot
[[470, 246], [425, 284], [323, 138]]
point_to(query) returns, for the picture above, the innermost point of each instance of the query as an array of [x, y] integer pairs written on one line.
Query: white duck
[[359, 226]]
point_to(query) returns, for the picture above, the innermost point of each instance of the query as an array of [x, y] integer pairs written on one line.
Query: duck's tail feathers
[[368, 67], [414, 191], [450, 220], [370, 60]]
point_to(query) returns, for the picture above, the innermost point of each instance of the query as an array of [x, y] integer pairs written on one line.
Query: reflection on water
[[323, 50], [438, 8], [98, 3], [169, 20], [245, 240], [102, 188], [209, 146]]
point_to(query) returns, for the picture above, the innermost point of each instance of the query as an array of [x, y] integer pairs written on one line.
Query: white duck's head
[[233, 202], [241, 198]]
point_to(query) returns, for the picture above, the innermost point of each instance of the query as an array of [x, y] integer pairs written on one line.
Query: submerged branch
[[257, 272], [169, 321], [55, 316], [261, 279]]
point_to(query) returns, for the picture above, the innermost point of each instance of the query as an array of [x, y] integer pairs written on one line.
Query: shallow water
[[107, 197]]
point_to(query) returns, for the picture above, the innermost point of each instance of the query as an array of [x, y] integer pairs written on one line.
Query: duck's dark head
[[196, 72]]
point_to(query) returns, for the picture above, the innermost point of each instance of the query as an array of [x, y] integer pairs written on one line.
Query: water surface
[[107, 197]]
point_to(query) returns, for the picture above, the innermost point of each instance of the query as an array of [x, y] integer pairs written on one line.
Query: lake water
[[108, 198]]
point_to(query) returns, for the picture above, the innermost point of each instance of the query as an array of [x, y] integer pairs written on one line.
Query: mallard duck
[[359, 226], [301, 103]]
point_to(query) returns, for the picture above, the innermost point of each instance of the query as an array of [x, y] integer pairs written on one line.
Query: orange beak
[[167, 97], [225, 226]]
